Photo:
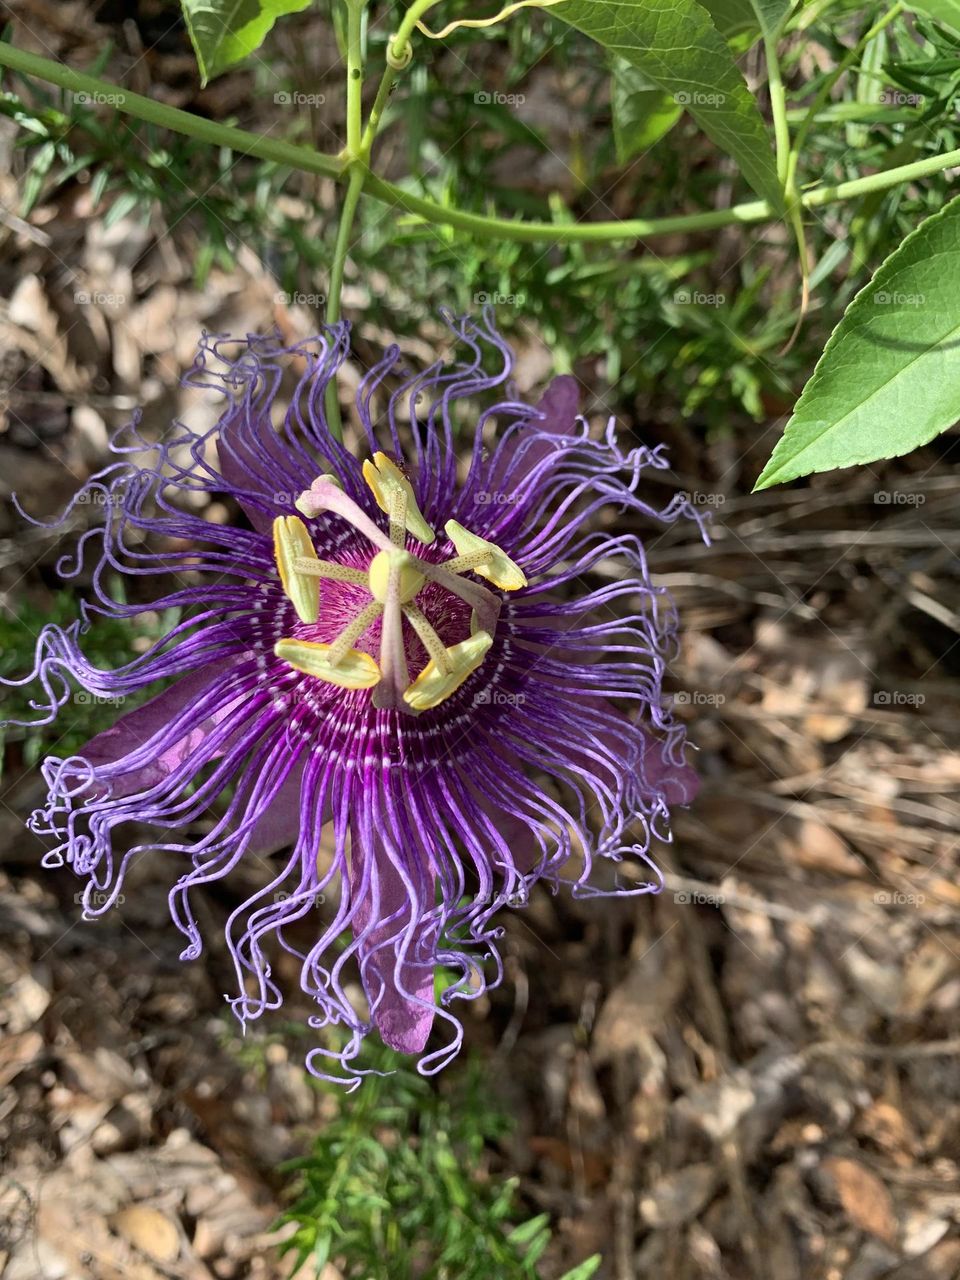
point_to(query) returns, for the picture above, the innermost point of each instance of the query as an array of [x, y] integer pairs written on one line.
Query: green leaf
[[676, 45], [528, 1230], [642, 113], [889, 378], [224, 32], [945, 11], [585, 1270]]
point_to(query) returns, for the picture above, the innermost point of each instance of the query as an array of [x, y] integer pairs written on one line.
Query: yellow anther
[[483, 557], [389, 485], [356, 670], [291, 542], [433, 686], [409, 578]]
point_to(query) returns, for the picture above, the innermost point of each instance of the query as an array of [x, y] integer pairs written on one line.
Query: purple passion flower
[[427, 678]]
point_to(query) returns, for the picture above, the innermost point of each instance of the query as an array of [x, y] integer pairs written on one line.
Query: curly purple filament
[[557, 752]]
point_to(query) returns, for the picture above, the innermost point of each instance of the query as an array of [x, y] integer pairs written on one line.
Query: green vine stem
[[310, 161], [358, 172]]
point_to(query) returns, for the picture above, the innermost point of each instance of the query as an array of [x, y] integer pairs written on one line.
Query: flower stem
[[778, 109], [354, 75], [357, 176], [310, 161]]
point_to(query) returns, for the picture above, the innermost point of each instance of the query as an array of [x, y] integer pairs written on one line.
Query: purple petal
[[558, 406], [661, 775], [279, 824], [240, 473], [403, 1014], [136, 728]]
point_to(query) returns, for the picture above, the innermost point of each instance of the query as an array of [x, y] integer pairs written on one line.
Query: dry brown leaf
[[149, 1230], [865, 1199]]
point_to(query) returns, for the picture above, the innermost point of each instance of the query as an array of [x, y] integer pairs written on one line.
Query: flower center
[[394, 578]]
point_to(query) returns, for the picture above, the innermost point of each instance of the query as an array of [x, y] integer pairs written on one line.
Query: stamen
[[433, 686], [467, 563], [342, 645], [398, 517], [387, 482], [431, 641], [330, 569], [494, 564], [355, 670], [291, 543], [409, 579], [484, 603]]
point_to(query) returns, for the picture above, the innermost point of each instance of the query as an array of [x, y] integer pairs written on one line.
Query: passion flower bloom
[[430, 676]]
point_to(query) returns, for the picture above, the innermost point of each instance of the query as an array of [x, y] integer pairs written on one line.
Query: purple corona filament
[[402, 682]]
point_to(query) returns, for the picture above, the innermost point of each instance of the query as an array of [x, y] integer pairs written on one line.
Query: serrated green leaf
[[224, 32], [676, 45], [889, 378]]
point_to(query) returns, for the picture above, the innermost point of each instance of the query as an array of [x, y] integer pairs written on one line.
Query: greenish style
[[889, 378]]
